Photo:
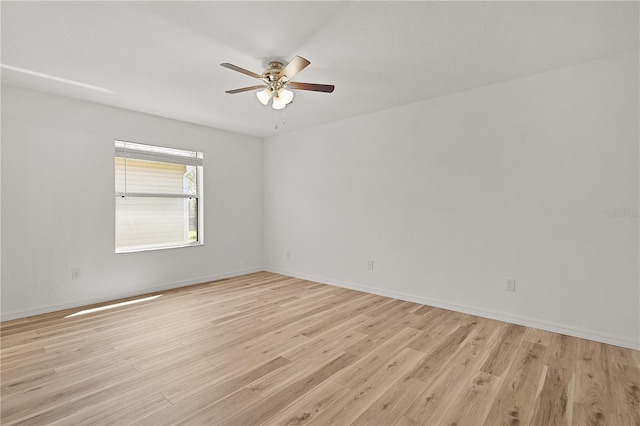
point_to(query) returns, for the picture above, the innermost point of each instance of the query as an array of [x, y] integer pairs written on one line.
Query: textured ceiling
[[163, 57]]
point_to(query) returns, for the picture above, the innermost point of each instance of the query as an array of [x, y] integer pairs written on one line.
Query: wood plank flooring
[[270, 349]]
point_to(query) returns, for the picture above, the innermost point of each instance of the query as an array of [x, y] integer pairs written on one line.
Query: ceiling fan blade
[[246, 89], [296, 65], [327, 88], [242, 70]]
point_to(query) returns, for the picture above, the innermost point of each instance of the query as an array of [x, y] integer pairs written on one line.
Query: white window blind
[[158, 197]]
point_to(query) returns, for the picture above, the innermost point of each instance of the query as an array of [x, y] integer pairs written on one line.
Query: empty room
[[324, 213]]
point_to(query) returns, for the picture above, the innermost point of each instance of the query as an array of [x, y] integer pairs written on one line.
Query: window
[[158, 197]]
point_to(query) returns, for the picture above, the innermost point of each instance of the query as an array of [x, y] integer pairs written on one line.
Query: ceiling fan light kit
[[281, 97], [279, 100], [277, 78]]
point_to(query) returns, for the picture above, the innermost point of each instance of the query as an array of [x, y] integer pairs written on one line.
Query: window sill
[[153, 248]]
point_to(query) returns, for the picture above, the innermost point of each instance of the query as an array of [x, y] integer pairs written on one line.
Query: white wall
[[452, 195], [447, 196], [58, 204]]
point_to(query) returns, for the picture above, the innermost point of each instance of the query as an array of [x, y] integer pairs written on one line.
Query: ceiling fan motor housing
[[272, 72]]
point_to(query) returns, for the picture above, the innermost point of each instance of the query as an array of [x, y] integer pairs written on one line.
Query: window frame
[[167, 155]]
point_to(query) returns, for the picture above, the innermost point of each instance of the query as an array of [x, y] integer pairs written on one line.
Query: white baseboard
[[481, 312], [7, 316]]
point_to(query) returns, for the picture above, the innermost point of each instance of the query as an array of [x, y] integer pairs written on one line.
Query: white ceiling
[[163, 57]]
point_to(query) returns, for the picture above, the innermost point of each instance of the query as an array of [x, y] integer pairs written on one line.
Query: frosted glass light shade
[[264, 95], [285, 95], [278, 103]]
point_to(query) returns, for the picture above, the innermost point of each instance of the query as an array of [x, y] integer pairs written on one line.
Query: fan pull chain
[[283, 117], [276, 114]]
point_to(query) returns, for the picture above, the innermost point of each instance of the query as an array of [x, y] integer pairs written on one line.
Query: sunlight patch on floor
[[115, 305]]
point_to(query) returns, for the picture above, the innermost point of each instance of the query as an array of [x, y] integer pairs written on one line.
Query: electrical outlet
[[510, 284], [288, 253], [370, 265], [75, 274]]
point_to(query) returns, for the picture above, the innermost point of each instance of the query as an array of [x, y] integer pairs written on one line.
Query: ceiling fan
[[277, 82]]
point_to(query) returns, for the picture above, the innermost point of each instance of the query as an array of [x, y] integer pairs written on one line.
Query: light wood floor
[[270, 349]]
